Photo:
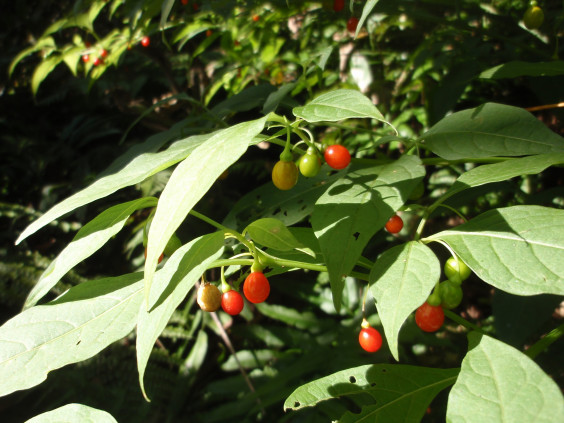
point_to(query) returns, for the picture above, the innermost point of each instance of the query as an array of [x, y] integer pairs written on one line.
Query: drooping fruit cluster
[[446, 295]]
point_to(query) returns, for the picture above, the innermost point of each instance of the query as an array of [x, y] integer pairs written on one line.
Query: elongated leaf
[[42, 43], [400, 281], [125, 171], [73, 413], [498, 172], [517, 249], [43, 70], [491, 130], [165, 11], [89, 239], [498, 383], [190, 181], [338, 105], [272, 233], [368, 6], [170, 286], [519, 68], [354, 208], [78, 325], [401, 393]]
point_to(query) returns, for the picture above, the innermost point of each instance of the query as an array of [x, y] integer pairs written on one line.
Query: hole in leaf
[[79, 341], [356, 235], [276, 211], [384, 370], [302, 208], [352, 379], [372, 384], [297, 404], [285, 213]]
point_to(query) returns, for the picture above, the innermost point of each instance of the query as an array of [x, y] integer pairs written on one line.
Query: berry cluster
[[446, 295], [256, 289]]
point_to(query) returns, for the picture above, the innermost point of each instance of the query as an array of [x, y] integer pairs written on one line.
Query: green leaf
[[498, 383], [519, 68], [47, 43], [166, 7], [170, 286], [272, 233], [72, 413], [400, 281], [369, 5], [401, 393], [498, 172], [338, 105], [517, 249], [89, 239], [289, 207], [301, 320], [43, 70], [76, 326], [491, 130], [355, 207], [190, 181], [131, 168], [72, 56]]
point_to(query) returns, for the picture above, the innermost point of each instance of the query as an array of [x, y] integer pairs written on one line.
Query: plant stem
[[461, 321], [543, 343]]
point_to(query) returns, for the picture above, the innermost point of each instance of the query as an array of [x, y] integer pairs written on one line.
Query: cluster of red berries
[[103, 53], [352, 23], [256, 289]]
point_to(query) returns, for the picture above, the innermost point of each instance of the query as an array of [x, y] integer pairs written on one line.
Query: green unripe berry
[[456, 271], [534, 17], [451, 294]]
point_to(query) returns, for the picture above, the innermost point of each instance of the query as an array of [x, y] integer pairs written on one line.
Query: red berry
[[352, 23], [370, 339], [256, 287], [429, 318], [394, 224], [195, 7], [85, 58], [337, 156], [232, 302], [145, 41], [338, 5], [184, 2], [256, 18], [209, 32], [103, 53], [96, 61]]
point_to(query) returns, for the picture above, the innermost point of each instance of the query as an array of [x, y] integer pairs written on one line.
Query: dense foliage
[[377, 184]]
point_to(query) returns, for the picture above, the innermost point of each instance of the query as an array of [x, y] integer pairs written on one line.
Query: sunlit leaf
[[400, 281], [89, 239], [399, 392], [491, 130], [73, 413], [498, 383], [518, 249]]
